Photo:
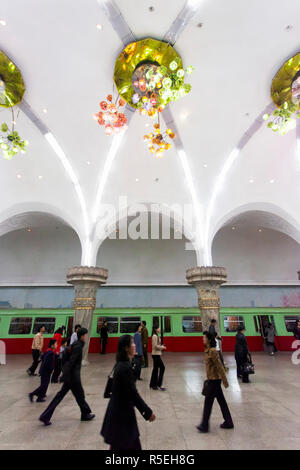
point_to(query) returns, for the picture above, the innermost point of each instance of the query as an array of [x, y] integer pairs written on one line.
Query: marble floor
[[266, 412]]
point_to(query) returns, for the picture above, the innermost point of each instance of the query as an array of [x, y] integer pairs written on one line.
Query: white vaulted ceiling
[[67, 65]]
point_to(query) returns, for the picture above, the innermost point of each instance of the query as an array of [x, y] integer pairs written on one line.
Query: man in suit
[[145, 341], [46, 370], [72, 381], [103, 337]]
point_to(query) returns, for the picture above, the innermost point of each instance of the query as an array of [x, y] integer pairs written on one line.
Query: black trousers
[[36, 356], [78, 392], [157, 372], [103, 342], [240, 372], [42, 389], [57, 368], [138, 366], [215, 391], [145, 356], [134, 446]]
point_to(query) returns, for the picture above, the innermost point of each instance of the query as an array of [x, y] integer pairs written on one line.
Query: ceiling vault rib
[[252, 129], [28, 111]]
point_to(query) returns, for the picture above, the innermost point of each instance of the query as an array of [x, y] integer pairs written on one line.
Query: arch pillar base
[[86, 281], [207, 280]]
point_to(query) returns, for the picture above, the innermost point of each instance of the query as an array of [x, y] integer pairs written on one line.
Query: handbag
[[109, 384], [248, 367], [205, 388]]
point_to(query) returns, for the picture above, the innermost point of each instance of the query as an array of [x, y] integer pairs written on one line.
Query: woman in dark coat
[[119, 427], [241, 353]]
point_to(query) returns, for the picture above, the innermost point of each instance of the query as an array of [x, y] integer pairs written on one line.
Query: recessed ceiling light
[[233, 228], [251, 181], [205, 165], [45, 110], [88, 163], [2, 22], [13, 122], [19, 176], [137, 180], [260, 229], [99, 26], [40, 177], [147, 125], [183, 116], [272, 181]]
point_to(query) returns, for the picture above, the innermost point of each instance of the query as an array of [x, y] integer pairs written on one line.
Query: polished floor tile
[[266, 412]]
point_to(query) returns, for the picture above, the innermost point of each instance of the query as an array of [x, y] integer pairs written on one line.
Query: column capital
[[203, 274], [87, 274]]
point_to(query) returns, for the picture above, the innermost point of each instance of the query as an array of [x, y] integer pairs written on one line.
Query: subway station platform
[[266, 412]]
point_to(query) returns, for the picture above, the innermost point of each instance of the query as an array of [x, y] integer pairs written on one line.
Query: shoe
[[88, 417], [140, 378], [30, 396], [226, 425], [162, 389], [202, 429], [272, 354], [41, 400], [45, 421], [29, 372], [54, 381], [154, 388], [34, 375]]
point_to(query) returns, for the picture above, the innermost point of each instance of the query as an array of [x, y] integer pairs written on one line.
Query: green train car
[[181, 327]]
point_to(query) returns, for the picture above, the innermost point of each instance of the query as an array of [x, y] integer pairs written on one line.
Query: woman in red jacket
[[57, 368]]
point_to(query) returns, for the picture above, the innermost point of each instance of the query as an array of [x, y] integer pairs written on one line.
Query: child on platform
[[46, 370]]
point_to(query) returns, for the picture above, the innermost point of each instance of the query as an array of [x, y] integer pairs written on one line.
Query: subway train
[[181, 328]]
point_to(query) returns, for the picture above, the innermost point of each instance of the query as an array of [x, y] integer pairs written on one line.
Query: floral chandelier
[[12, 89], [285, 92], [148, 76]]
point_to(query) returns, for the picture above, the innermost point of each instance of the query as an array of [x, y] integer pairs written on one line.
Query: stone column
[[207, 280], [86, 281]]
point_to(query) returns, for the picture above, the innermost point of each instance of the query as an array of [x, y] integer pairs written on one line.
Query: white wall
[[146, 261], [256, 257], [40, 256]]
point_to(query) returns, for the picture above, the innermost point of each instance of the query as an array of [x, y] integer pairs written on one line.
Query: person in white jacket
[[158, 365]]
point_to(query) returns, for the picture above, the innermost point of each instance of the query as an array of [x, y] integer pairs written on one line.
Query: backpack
[[66, 355]]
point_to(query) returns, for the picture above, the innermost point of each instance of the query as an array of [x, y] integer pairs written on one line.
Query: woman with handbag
[[158, 371], [241, 354], [119, 427], [212, 386]]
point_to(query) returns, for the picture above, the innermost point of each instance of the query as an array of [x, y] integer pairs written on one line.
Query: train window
[[232, 322], [192, 324], [112, 324], [167, 324], [48, 322], [129, 324], [20, 326], [290, 322]]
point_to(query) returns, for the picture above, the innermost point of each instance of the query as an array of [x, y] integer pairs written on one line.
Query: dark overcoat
[[120, 428], [241, 348]]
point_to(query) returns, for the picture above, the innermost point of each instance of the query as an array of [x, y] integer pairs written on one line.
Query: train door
[[164, 322], [69, 327], [261, 322]]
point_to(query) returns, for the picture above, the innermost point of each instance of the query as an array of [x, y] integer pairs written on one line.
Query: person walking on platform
[[158, 365], [241, 354], [37, 348], [145, 342], [296, 330], [72, 381], [270, 339], [74, 335], [46, 370], [119, 428], [103, 337], [215, 375], [138, 352], [212, 327], [57, 368]]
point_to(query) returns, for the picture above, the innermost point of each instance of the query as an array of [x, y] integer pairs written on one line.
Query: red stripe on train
[[175, 344]]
